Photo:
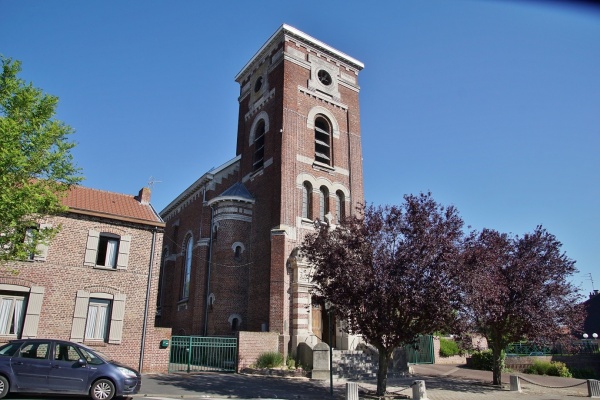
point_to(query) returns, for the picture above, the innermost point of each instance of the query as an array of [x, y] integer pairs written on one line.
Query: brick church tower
[[230, 260]]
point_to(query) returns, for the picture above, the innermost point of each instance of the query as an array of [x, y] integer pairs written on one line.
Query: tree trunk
[[384, 359], [497, 365]]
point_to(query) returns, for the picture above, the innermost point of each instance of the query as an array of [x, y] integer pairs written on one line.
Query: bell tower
[[299, 144]]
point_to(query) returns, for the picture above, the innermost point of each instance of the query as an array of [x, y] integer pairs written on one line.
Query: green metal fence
[[527, 349], [202, 353], [420, 352]]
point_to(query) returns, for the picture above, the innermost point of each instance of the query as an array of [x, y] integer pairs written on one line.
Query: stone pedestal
[[320, 362], [515, 384], [419, 391]]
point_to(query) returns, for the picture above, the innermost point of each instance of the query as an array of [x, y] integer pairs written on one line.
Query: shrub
[[584, 373], [290, 363], [271, 359], [552, 368], [448, 348], [484, 360]]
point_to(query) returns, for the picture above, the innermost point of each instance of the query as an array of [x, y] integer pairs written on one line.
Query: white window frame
[[187, 268], [98, 317], [92, 249]]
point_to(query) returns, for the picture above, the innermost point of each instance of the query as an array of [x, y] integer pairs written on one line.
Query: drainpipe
[[210, 244], [148, 287]]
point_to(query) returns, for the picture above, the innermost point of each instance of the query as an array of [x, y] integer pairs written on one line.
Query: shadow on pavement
[[234, 385]]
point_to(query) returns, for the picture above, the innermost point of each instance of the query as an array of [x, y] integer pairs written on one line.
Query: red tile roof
[[112, 205]]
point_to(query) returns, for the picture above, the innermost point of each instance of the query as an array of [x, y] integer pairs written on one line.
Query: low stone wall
[[253, 344], [478, 343]]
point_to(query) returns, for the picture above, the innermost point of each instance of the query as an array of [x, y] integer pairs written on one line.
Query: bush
[[584, 373], [484, 360], [552, 368], [271, 359], [290, 363], [448, 348]]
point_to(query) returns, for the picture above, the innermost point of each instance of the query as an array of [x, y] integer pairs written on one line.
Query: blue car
[[59, 367]]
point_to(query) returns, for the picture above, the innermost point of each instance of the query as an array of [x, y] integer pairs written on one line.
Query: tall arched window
[[323, 202], [322, 140], [187, 271], [307, 200], [340, 208], [259, 145]]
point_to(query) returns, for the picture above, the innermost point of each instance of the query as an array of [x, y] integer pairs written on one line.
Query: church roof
[[237, 192]]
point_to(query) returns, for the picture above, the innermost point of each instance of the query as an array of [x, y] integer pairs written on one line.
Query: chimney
[[144, 196]]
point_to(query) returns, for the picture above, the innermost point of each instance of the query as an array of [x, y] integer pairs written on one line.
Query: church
[[230, 260]]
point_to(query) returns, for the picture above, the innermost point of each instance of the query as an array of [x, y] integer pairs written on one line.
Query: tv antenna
[[591, 280], [152, 181]]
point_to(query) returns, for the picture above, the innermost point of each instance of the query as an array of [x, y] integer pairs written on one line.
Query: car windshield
[[92, 357], [9, 349]]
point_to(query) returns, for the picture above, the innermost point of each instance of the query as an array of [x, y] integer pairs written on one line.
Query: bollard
[[419, 391], [351, 391], [593, 388], [515, 384]]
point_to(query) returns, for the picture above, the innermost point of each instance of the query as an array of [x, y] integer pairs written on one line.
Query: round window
[[324, 77], [258, 84]]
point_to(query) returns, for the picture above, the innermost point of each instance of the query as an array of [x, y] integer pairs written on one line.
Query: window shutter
[[123, 252], [91, 249], [32, 316], [80, 315], [41, 250], [116, 320]]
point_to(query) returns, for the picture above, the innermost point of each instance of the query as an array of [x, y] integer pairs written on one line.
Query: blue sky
[[493, 106]]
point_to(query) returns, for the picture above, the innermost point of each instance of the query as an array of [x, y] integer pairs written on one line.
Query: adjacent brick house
[[95, 282], [230, 253]]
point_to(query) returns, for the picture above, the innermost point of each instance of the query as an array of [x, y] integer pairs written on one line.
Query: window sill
[[102, 267], [95, 342], [323, 167]]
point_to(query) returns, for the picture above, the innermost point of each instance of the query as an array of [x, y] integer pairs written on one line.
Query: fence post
[[593, 388], [351, 391], [515, 384]]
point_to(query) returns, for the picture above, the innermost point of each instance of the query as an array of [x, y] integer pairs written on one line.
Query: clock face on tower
[[324, 77]]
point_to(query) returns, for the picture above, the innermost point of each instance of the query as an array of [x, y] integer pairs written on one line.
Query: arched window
[[323, 202], [259, 145], [340, 207], [322, 140], [235, 324], [307, 200], [187, 271]]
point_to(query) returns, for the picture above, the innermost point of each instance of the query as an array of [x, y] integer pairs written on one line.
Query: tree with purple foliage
[[390, 272], [518, 289]]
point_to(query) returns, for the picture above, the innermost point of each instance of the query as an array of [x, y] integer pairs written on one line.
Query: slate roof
[[237, 190], [111, 205]]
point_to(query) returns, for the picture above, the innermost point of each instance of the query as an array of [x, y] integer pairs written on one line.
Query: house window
[[98, 317], [96, 327], [307, 200], [12, 312], [259, 146], [107, 250], [238, 253], [323, 203], [187, 271], [340, 208], [322, 141], [235, 324]]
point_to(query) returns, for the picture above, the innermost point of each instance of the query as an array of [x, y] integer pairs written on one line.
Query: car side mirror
[[82, 362]]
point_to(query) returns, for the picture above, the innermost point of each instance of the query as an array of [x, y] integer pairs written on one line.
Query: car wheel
[[102, 389], [4, 387]]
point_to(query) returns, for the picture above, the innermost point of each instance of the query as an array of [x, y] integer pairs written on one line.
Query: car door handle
[[55, 366], [19, 363]]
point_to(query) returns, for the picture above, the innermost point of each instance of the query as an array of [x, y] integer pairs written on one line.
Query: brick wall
[[253, 344], [63, 274]]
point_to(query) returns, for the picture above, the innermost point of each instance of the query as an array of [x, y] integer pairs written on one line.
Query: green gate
[[420, 352], [202, 353]]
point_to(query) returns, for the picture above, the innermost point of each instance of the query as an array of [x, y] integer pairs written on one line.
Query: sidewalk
[[443, 382]]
